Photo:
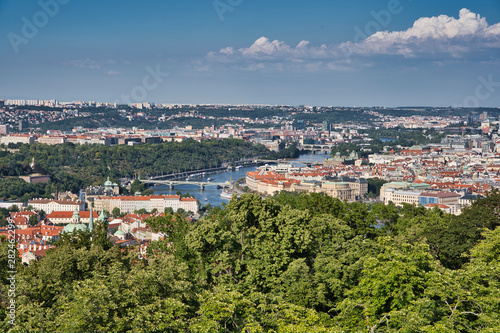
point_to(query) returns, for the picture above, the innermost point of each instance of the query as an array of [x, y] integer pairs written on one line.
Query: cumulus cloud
[[438, 34], [428, 35], [85, 63], [265, 49]]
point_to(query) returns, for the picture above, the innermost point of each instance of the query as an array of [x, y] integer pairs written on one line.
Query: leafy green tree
[[100, 235], [226, 310], [339, 260], [77, 239], [386, 216], [390, 283], [33, 220], [464, 231], [116, 212], [359, 218], [483, 275], [150, 298], [141, 211], [374, 185], [138, 187]]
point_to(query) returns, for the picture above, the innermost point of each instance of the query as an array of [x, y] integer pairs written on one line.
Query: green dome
[[119, 233], [108, 183], [74, 227]]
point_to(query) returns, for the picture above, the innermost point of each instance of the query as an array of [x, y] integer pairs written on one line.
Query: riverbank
[[211, 195]]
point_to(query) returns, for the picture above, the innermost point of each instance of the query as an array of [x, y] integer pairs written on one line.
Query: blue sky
[[322, 52]]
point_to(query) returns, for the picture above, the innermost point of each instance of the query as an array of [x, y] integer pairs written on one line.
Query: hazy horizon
[[330, 53]]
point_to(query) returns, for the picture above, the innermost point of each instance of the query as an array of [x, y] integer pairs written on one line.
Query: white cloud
[[438, 34], [85, 63], [264, 46], [227, 50], [265, 49], [428, 35]]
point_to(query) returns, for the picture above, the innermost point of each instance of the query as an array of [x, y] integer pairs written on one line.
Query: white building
[[27, 139], [189, 204], [130, 204], [399, 197], [51, 140], [50, 205]]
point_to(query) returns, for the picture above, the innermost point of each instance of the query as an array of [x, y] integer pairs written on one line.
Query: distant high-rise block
[[23, 125], [4, 129], [300, 124], [325, 126]]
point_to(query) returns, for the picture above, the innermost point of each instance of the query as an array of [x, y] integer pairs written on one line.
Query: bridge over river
[[317, 148], [172, 183]]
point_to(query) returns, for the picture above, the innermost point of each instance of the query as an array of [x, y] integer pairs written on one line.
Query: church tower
[[76, 217]]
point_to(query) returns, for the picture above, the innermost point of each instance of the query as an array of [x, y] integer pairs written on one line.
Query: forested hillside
[[73, 167], [290, 263]]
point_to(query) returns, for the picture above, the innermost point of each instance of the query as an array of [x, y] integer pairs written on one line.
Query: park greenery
[[289, 152], [288, 263], [390, 139], [73, 167]]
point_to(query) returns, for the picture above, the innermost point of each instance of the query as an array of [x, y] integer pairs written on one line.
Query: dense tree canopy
[[293, 262]]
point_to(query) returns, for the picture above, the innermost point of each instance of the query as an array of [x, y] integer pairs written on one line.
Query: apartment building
[[130, 204]]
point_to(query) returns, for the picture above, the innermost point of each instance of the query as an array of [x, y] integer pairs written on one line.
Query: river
[[211, 194]]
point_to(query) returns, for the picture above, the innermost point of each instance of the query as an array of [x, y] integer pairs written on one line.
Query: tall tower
[[91, 218]]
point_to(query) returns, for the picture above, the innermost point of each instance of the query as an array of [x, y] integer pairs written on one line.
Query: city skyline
[[368, 53]]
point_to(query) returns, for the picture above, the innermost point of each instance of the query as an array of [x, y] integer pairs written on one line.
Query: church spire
[[91, 218]]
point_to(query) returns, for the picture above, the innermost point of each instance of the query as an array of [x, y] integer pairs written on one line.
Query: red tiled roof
[[23, 213], [141, 197], [440, 194], [441, 206], [84, 214], [61, 202], [188, 199]]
